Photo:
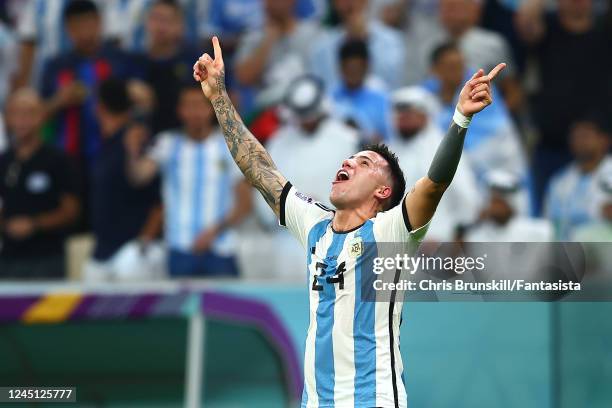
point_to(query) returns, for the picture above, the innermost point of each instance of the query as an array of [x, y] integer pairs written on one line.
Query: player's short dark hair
[[441, 50], [354, 48], [76, 8], [113, 95], [398, 180]]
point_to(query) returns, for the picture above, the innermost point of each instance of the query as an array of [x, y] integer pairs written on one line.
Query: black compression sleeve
[[445, 162]]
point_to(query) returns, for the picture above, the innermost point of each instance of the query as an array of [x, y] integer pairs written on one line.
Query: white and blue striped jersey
[[198, 181], [352, 357]]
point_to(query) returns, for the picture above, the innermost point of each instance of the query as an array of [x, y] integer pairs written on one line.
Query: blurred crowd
[[112, 166]]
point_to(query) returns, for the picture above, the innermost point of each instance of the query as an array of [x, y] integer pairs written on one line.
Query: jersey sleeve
[[161, 149], [394, 226], [299, 213]]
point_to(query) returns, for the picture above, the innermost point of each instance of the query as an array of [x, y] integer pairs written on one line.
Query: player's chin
[[333, 195], [337, 196]]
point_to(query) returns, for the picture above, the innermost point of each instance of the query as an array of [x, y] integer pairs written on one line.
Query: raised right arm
[[250, 156]]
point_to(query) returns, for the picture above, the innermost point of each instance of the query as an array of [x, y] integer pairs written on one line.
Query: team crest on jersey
[[356, 247]]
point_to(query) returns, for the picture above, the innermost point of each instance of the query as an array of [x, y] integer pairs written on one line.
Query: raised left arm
[[422, 201]]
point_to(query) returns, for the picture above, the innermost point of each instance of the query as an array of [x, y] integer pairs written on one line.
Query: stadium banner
[[60, 305], [485, 271]]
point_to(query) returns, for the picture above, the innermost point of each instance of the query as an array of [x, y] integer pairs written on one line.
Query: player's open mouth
[[341, 176]]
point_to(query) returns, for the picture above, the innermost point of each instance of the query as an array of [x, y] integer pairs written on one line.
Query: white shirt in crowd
[[574, 198], [517, 229], [310, 161]]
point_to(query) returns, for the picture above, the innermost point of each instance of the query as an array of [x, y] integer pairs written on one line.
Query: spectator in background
[[204, 194], [70, 80], [229, 19], [394, 13], [415, 141], [42, 35], [167, 62], [8, 56], [10, 11], [127, 21], [38, 196], [357, 101], [310, 134], [596, 234], [493, 141], [119, 211], [600, 229], [573, 198], [482, 48], [568, 48], [270, 58], [500, 221], [384, 43], [401, 14]]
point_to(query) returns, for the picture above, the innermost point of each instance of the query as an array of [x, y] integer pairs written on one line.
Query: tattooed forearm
[[250, 156]]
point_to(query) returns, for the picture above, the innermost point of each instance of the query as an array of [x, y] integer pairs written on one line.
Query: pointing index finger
[[217, 48], [496, 71], [477, 74]]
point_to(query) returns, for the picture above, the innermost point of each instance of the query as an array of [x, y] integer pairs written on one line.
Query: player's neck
[[350, 219]]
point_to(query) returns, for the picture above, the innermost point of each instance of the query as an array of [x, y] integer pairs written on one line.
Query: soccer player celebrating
[[352, 349]]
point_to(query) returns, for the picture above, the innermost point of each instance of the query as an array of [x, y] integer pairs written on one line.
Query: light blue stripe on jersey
[[196, 210], [363, 324], [314, 236], [173, 205], [324, 344]]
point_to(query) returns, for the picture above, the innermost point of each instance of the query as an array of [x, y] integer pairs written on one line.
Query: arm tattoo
[[250, 156]]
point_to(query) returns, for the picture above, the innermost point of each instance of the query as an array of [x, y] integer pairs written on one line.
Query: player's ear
[[383, 192]]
